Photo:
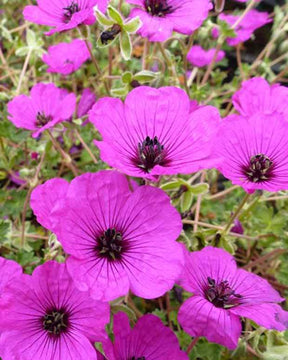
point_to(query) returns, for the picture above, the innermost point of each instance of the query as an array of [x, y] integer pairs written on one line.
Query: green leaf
[[4, 31], [102, 19], [120, 91], [127, 77], [186, 201], [133, 25], [173, 185], [31, 38], [125, 45], [225, 29], [22, 51], [5, 230], [146, 76], [206, 351], [115, 15], [226, 245], [199, 189], [276, 353]]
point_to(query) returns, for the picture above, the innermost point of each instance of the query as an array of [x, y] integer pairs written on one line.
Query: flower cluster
[[120, 234]]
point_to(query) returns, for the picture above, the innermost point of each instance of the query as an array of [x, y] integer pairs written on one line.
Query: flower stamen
[[150, 153], [158, 8], [42, 119], [70, 10], [55, 322], [110, 245], [221, 295], [259, 169]]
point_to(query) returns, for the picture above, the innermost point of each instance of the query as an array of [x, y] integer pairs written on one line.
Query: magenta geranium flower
[[252, 21], [65, 58], [256, 95], [10, 270], [118, 239], [63, 15], [46, 318], [200, 57], [254, 151], [154, 133], [46, 106], [223, 294], [149, 340], [161, 17]]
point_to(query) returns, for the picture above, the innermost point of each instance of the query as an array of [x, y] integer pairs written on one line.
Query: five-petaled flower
[[45, 317], [161, 17], [155, 132], [222, 294], [118, 239], [63, 15], [253, 151], [46, 106], [148, 340]]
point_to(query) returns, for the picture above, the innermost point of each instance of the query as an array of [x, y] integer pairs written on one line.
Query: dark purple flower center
[[150, 153], [158, 7], [138, 358], [110, 245], [260, 168], [70, 10], [221, 295], [42, 119], [55, 321]]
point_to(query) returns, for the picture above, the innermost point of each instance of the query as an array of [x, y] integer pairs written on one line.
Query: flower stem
[[192, 344], [33, 183], [94, 60], [85, 146], [236, 213], [198, 205], [212, 63], [23, 71], [66, 157]]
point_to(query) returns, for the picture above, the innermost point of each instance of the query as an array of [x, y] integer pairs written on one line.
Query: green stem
[[236, 213]]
